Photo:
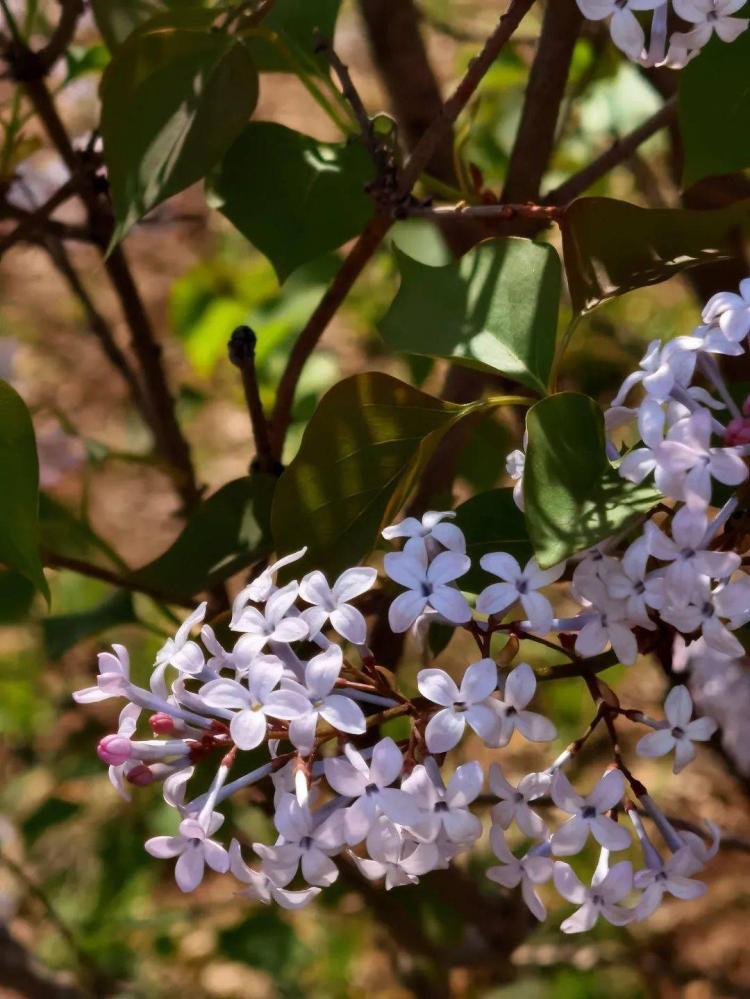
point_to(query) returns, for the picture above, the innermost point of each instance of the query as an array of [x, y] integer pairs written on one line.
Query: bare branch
[[91, 571], [242, 355], [72, 11], [499, 213], [31, 222]]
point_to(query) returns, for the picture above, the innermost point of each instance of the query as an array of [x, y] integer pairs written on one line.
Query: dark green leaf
[[293, 197], [573, 496], [173, 101], [293, 24], [63, 631], [16, 596], [495, 309], [361, 452], [117, 19], [611, 247], [52, 812], [491, 522], [66, 535], [225, 534], [714, 109], [19, 495]]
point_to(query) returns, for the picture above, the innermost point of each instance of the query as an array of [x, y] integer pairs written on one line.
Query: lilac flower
[[514, 803], [262, 888], [339, 711], [670, 877], [468, 704], [445, 808], [708, 16], [515, 465], [369, 785], [731, 311], [529, 871], [607, 623], [194, 848], [519, 691], [659, 370], [261, 588], [626, 32], [706, 609], [427, 585], [680, 732], [304, 841], [588, 814], [687, 462], [113, 678], [180, 651], [638, 588], [331, 603], [601, 899], [518, 584], [270, 625], [431, 527], [394, 856]]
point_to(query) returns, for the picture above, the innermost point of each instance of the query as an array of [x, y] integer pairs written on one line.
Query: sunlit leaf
[[293, 197], [612, 247], [573, 496], [495, 309], [173, 100], [19, 493]]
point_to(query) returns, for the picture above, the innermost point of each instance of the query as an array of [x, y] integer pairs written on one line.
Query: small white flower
[[527, 871], [261, 588], [671, 877], [607, 889], [351, 777], [270, 625], [427, 585], [113, 678], [680, 732], [331, 603], [194, 848], [588, 814], [730, 311], [661, 368], [515, 465], [638, 588], [180, 651], [262, 888], [304, 841], [608, 623], [514, 803], [339, 711], [520, 687], [708, 16], [468, 704], [431, 527], [445, 808], [518, 584], [626, 32], [251, 704], [706, 609], [395, 856]]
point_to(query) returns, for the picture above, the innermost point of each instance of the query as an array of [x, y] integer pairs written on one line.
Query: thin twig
[[242, 354], [618, 152], [72, 11], [91, 571], [501, 212], [36, 219]]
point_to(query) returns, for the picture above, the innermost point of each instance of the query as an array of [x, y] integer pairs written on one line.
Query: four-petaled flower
[[331, 603], [708, 16], [445, 808], [528, 871], [469, 704], [427, 585], [626, 32], [341, 712], [518, 584], [601, 899], [588, 814], [670, 878], [303, 841], [431, 527], [194, 848], [679, 733], [514, 801], [270, 624], [519, 690]]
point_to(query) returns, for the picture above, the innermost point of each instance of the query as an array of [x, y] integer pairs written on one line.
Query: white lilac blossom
[[679, 732], [296, 705], [624, 27]]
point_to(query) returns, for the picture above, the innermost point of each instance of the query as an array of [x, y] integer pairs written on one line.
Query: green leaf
[[361, 452], [611, 247], [63, 631], [293, 23], [173, 101], [491, 522], [495, 309], [226, 533], [19, 495], [65, 534], [573, 496], [52, 812], [118, 19], [293, 197], [16, 597], [714, 110]]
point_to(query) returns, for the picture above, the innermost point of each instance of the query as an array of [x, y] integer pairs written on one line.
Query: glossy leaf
[[157, 141], [293, 197], [574, 497], [61, 632], [292, 25], [226, 533], [491, 522], [19, 494], [363, 448], [714, 110], [612, 247], [494, 309]]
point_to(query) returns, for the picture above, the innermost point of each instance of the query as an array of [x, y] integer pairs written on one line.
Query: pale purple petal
[[437, 686]]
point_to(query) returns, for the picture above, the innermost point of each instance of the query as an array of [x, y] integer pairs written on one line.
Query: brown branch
[[620, 151], [91, 571], [72, 11], [24, 976], [501, 213], [545, 91], [242, 354], [31, 222]]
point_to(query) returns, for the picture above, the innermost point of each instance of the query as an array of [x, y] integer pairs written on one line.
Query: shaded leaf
[[714, 110], [52, 812], [361, 453], [65, 534], [19, 494], [293, 23], [173, 100], [16, 596], [118, 19], [293, 197], [612, 247], [495, 309], [491, 522], [61, 632], [226, 533], [574, 498]]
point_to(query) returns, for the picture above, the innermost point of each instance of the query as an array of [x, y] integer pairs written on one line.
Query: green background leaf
[[157, 140], [19, 492], [612, 247], [491, 522], [714, 110], [294, 22], [495, 309], [573, 496], [226, 533], [366, 442], [293, 197], [61, 632]]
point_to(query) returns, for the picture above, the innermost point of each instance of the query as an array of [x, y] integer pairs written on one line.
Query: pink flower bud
[[114, 750], [162, 724], [737, 431], [140, 775]]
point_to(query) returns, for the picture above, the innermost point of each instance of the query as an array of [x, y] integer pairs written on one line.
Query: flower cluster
[[700, 20], [301, 690]]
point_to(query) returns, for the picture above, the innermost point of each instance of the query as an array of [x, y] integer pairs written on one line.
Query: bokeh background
[[81, 903]]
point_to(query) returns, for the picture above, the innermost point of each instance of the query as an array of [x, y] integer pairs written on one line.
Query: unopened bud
[[114, 750], [141, 776], [162, 724], [241, 347]]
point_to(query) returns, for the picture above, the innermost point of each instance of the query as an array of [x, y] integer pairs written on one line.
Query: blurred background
[[83, 909]]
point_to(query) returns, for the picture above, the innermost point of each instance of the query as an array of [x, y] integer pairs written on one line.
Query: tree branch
[[31, 222], [242, 355], [91, 571], [72, 11]]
